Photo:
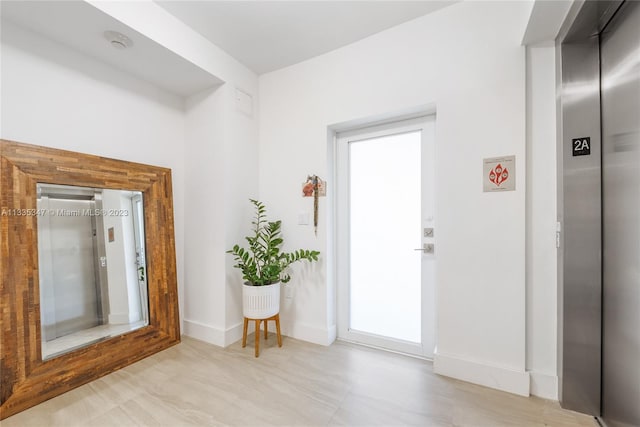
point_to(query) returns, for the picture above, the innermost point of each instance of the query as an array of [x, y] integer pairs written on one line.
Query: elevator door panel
[[620, 98], [73, 275]]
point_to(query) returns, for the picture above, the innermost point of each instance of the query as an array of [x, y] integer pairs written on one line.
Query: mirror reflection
[[91, 255]]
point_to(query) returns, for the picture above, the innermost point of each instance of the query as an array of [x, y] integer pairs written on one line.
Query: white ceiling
[[80, 26], [265, 35], [269, 35]]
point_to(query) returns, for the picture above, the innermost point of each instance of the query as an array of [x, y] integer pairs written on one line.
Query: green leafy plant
[[262, 263]]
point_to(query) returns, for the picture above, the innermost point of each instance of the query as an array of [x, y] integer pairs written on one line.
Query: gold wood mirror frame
[[26, 379]]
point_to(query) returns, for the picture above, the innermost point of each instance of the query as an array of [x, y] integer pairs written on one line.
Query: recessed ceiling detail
[[81, 26]]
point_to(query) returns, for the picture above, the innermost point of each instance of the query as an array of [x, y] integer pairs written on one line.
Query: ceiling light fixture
[[118, 40]]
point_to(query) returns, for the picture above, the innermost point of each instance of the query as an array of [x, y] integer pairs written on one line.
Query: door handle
[[427, 248]]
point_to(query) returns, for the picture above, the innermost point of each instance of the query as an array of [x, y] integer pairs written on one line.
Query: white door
[[141, 256], [385, 220]]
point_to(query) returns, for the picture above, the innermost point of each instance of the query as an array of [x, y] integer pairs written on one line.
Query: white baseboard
[[312, 334], [217, 336], [544, 385], [500, 378], [233, 334], [225, 337], [333, 333]]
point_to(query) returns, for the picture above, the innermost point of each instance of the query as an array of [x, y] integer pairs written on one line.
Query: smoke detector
[[118, 40]]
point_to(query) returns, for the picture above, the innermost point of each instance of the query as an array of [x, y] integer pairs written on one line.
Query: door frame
[[426, 348]]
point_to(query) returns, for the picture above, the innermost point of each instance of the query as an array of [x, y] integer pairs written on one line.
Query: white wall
[[541, 252], [204, 132], [241, 183], [467, 60], [222, 174], [221, 163], [222, 169], [56, 97]]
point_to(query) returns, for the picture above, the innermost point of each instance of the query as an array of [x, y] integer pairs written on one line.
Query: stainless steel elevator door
[[620, 100], [72, 276], [580, 300]]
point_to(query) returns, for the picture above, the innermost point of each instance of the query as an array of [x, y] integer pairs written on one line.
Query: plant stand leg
[[244, 332], [257, 337], [265, 328], [277, 316]]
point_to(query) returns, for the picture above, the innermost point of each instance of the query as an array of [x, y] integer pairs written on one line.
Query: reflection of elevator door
[[72, 256], [620, 85]]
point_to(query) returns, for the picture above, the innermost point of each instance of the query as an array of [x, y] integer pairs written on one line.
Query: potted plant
[[264, 265]]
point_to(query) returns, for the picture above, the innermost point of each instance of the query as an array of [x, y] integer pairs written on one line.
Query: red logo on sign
[[498, 175]]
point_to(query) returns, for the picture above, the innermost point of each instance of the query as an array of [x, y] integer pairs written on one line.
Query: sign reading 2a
[[581, 146]]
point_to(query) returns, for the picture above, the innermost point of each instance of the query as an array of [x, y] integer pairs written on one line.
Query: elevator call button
[[581, 146]]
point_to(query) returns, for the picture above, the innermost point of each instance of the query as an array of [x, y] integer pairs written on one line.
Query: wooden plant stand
[[276, 318]]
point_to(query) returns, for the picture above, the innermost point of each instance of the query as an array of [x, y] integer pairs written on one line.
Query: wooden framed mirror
[[28, 378]]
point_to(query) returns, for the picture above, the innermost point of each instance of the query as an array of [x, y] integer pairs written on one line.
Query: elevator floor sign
[[499, 174]]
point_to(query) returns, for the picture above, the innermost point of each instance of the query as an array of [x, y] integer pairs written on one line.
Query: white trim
[[501, 378], [226, 337], [333, 334], [387, 343], [213, 335], [544, 385], [382, 119], [204, 332], [234, 334], [305, 332], [413, 355]]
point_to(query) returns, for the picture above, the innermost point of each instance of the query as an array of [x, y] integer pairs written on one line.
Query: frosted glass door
[[385, 219], [385, 216]]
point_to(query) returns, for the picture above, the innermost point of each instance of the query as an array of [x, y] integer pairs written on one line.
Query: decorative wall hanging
[[314, 187]]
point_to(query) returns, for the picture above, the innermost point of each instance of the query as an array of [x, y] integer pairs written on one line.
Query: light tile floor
[[300, 384]]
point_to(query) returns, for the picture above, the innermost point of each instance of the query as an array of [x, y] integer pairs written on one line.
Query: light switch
[[428, 232], [303, 218]]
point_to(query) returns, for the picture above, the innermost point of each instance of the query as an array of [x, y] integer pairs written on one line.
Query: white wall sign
[[499, 174]]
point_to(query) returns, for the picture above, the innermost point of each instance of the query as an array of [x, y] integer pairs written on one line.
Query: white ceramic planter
[[260, 302]]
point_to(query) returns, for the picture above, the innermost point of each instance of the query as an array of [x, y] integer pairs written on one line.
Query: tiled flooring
[[299, 384]]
